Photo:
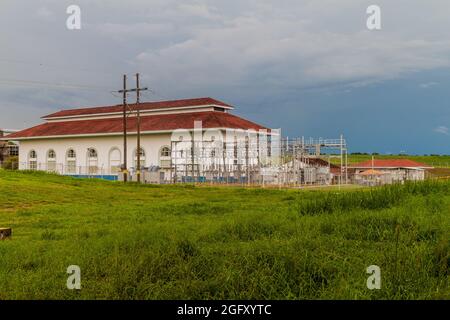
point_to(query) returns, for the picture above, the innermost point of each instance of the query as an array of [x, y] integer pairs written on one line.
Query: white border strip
[[119, 133], [143, 111]]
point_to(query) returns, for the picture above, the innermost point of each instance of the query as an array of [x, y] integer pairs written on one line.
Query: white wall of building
[[151, 144], [209, 157]]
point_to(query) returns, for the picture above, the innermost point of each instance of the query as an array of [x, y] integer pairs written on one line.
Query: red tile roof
[[143, 106], [162, 122], [390, 163]]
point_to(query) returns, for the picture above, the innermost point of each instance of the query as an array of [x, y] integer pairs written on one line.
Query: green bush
[[11, 163]]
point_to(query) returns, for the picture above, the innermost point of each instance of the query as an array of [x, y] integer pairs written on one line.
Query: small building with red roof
[[387, 171]]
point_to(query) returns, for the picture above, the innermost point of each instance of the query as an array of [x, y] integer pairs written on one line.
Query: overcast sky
[[310, 67]]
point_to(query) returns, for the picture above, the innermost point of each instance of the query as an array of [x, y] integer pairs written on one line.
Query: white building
[[89, 141]]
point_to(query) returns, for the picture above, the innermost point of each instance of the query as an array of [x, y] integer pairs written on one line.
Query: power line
[[112, 93], [155, 93], [54, 85], [53, 66]]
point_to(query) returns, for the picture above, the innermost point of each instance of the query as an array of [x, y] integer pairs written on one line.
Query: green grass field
[[189, 242]]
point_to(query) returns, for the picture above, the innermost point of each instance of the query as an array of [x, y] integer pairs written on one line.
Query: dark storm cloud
[[258, 54]]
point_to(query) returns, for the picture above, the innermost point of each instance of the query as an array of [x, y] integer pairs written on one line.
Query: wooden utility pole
[[138, 111], [125, 167], [138, 93], [125, 91]]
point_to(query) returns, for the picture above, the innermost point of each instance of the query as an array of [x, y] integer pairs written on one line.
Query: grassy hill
[[187, 242], [433, 160]]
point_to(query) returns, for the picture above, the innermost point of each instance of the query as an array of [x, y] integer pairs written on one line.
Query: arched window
[[114, 160], [164, 157], [51, 160], [92, 153], [71, 153], [92, 161], [32, 160], [71, 161], [165, 152], [142, 158]]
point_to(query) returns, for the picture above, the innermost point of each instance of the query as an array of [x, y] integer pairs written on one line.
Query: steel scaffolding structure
[[304, 149], [251, 160], [294, 164]]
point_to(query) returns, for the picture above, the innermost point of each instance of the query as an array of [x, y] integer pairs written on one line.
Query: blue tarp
[[104, 177]]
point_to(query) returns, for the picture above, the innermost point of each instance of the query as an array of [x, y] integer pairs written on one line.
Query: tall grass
[[372, 199], [174, 242]]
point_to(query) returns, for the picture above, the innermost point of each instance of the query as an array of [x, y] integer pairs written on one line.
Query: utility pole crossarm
[[133, 90]]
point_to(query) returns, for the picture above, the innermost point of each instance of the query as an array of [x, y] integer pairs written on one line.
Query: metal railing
[[71, 170]]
